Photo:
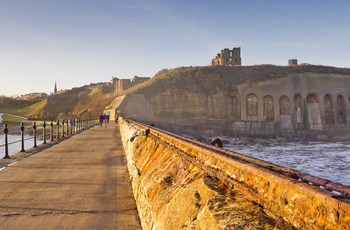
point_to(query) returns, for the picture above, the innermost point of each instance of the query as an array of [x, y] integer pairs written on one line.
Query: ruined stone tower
[[55, 89], [228, 57]]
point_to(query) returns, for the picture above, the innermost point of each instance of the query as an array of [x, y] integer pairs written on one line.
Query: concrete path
[[80, 183]]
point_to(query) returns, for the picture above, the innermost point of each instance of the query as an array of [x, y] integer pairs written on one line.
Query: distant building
[[31, 96], [292, 62], [228, 57], [137, 80], [123, 84]]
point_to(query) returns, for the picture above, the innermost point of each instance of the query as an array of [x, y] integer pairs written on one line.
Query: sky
[[78, 42]]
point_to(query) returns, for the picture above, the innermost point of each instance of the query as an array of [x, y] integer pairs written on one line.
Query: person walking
[[105, 117], [100, 118]]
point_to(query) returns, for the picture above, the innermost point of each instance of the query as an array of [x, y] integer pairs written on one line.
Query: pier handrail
[[69, 127]]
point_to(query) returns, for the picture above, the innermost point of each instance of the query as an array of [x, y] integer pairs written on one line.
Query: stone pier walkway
[[79, 183]]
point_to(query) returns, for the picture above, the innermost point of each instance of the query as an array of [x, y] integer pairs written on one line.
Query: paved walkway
[[80, 183]]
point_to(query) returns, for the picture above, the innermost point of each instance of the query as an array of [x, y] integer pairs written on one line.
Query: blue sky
[[78, 42]]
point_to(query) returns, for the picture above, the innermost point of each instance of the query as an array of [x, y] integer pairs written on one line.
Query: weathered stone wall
[[179, 184], [298, 105]]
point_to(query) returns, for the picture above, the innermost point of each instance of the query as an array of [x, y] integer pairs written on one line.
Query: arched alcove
[[313, 112], [311, 98], [236, 107], [299, 111], [252, 107], [328, 109], [268, 112], [341, 110], [284, 105]]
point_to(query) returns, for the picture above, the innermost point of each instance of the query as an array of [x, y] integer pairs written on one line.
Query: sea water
[[15, 144], [321, 159]]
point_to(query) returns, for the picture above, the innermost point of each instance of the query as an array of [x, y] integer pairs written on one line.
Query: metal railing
[[39, 130]]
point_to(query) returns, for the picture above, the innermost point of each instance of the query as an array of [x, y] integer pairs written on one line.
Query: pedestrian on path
[[100, 119], [105, 118]]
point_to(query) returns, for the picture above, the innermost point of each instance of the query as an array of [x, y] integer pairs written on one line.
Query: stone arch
[[236, 107], [268, 112], [328, 109], [311, 98], [252, 106], [341, 110], [299, 110], [313, 112], [284, 105]]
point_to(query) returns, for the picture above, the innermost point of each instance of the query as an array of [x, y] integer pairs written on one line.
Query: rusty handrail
[[71, 126]]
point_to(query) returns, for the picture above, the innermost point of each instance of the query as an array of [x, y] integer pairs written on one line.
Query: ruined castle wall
[[138, 80], [122, 84], [228, 57], [172, 189]]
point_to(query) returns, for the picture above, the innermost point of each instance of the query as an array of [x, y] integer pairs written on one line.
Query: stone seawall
[[181, 184]]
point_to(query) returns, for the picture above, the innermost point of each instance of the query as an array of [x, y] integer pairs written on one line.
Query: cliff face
[[86, 102], [258, 101]]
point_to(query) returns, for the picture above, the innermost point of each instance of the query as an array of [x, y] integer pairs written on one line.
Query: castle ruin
[[123, 84], [292, 62], [228, 57]]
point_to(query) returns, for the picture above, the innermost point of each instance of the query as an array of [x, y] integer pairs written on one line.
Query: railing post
[[67, 127], [34, 132], [58, 129], [51, 131], [22, 137], [44, 132], [78, 124], [6, 143], [71, 126], [63, 128], [74, 127]]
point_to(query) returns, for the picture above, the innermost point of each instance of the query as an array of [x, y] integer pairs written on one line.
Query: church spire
[[55, 90]]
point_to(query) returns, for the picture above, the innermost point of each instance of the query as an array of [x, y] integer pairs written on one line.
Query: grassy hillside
[[14, 115], [184, 76], [13, 103], [85, 102]]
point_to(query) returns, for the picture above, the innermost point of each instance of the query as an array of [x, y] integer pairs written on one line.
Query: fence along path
[[80, 183]]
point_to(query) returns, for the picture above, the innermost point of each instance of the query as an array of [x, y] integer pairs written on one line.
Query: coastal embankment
[[183, 184]]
